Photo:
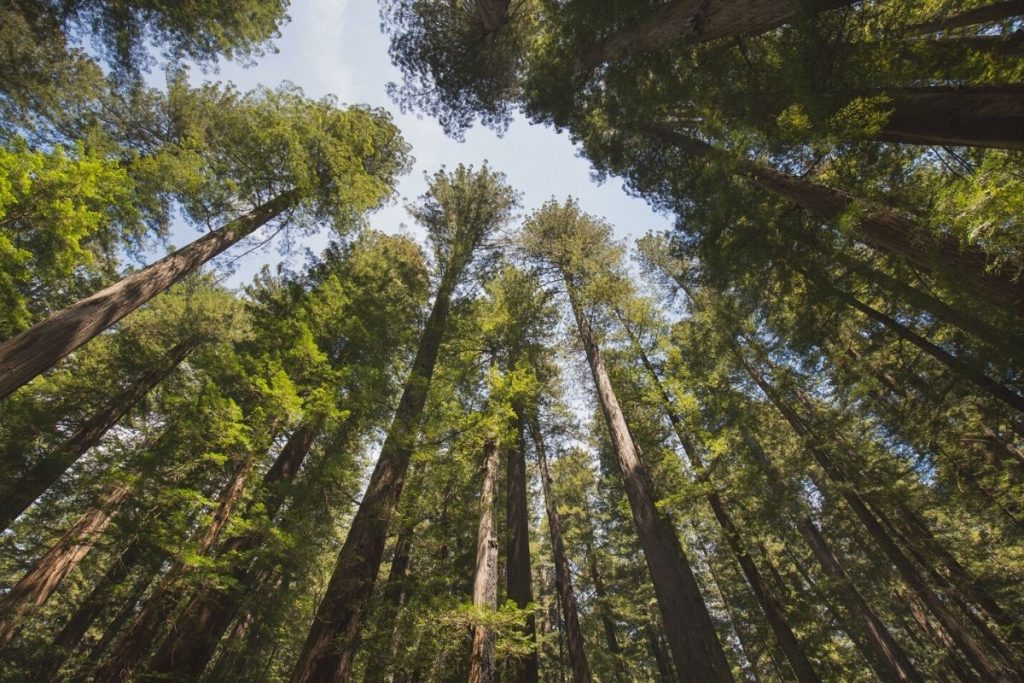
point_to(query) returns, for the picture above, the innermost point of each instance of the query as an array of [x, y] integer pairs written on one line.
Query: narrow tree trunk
[[27, 489], [190, 644], [658, 653], [605, 613], [70, 636], [518, 578], [330, 646], [803, 670], [563, 574], [115, 625], [394, 597], [691, 635], [485, 575], [136, 644], [877, 227], [986, 14], [39, 583], [40, 347], [978, 116]]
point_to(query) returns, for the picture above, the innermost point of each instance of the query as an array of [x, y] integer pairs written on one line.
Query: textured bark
[[696, 21], [40, 347], [136, 644], [880, 228], [27, 489], [330, 646], [563, 574], [70, 636], [191, 642], [518, 579], [958, 366], [997, 11], [482, 667], [42, 579], [981, 116], [691, 635], [803, 670]]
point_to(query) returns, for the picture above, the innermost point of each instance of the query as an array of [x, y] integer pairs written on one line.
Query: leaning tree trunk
[[193, 638], [691, 634], [27, 489], [482, 668], [773, 611], [330, 647], [997, 11], [40, 347], [878, 227], [563, 574], [518, 579], [39, 583]]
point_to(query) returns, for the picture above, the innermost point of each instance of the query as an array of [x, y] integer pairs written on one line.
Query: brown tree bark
[[482, 667], [997, 11], [27, 489], [113, 628], [39, 583], [563, 575], [330, 646], [978, 116], [518, 579], [40, 347], [604, 610], [879, 228], [377, 669], [697, 654], [191, 642], [773, 611]]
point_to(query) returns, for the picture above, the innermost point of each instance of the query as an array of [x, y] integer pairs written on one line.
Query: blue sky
[[336, 47]]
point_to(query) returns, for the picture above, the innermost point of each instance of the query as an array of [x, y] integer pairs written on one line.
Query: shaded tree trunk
[[605, 613], [978, 116], [394, 597], [330, 646], [27, 489], [39, 583], [517, 548], [691, 635], [485, 575], [40, 347], [563, 575], [113, 628]]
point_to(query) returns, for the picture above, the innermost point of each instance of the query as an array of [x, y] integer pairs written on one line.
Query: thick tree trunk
[[40, 347], [961, 368], [518, 579], [803, 670], [979, 116], [696, 21], [482, 667], [979, 658], [563, 574], [190, 644], [27, 489], [39, 583], [691, 635], [997, 11], [70, 636], [136, 644], [330, 646], [877, 227]]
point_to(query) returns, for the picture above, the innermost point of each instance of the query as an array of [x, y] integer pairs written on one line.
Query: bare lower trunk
[[40, 347], [691, 635], [39, 583], [981, 116], [518, 579], [485, 575], [27, 489], [330, 646], [563, 574]]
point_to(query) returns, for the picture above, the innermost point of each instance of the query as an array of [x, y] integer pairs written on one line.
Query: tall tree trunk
[[696, 21], [879, 228], [39, 583], [960, 367], [330, 646], [27, 489], [978, 116], [191, 642], [40, 347], [377, 668], [803, 670], [136, 644], [563, 574], [70, 636], [485, 575], [604, 610], [113, 628], [997, 11], [691, 635], [518, 579], [975, 654]]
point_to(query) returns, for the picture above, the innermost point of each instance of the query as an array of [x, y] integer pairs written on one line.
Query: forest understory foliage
[[782, 441]]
